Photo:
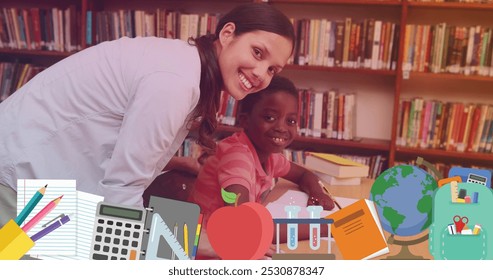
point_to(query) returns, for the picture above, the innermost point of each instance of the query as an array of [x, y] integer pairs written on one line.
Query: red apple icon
[[241, 232]]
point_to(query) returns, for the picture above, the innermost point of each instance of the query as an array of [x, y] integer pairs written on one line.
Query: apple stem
[[236, 200]]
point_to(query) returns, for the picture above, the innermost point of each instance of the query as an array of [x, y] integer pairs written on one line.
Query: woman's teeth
[[245, 82]]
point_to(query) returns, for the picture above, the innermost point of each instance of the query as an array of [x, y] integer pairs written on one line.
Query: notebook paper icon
[[63, 240]]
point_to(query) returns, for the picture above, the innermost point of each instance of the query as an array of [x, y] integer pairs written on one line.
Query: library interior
[[387, 90]]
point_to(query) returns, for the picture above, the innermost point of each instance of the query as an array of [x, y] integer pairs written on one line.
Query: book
[[357, 231], [336, 181], [335, 166]]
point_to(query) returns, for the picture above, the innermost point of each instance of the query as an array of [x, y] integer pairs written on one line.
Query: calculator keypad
[[114, 240]]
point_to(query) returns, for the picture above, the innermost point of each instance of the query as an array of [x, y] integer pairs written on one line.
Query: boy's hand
[[322, 199]]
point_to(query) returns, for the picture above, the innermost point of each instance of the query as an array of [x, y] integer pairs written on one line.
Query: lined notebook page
[[62, 240], [86, 214]]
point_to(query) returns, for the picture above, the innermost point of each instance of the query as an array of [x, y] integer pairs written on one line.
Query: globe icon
[[403, 196]]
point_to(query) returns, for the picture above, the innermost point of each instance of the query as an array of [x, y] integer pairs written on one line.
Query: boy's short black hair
[[277, 84]]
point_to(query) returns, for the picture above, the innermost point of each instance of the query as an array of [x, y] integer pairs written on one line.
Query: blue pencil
[[30, 205]]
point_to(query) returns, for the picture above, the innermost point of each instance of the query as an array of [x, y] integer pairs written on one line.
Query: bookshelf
[[463, 87], [378, 91]]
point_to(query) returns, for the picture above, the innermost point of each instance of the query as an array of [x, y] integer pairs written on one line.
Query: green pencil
[[30, 205]]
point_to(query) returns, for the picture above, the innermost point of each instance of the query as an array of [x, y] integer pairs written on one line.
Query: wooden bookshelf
[[379, 91], [480, 159]]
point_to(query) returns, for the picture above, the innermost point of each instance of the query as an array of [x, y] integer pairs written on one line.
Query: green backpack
[[444, 242]]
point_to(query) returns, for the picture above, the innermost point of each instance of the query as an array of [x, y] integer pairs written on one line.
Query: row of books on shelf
[[13, 75], [369, 43], [447, 48], [322, 114], [450, 126], [327, 114], [109, 25], [36, 28]]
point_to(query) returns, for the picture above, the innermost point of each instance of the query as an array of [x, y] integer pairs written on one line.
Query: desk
[[361, 191]]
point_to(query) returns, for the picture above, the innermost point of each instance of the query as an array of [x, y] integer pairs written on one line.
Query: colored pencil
[[197, 235], [47, 209], [30, 205], [185, 238]]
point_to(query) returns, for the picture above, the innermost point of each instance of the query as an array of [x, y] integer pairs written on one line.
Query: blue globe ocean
[[403, 196]]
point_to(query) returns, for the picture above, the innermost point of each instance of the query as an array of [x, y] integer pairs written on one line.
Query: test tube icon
[[292, 213], [315, 211]]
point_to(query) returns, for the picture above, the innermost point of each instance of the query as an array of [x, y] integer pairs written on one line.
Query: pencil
[[30, 205], [47, 209], [329, 194], [185, 238], [197, 235]]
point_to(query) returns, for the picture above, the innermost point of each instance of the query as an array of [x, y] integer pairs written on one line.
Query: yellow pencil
[[329, 194], [185, 238]]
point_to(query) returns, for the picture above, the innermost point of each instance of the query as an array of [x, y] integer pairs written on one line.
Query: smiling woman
[[248, 61], [103, 116]]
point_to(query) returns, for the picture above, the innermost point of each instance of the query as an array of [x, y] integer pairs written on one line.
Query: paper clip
[[50, 221]]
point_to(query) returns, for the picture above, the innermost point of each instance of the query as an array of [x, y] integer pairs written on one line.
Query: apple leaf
[[228, 197]]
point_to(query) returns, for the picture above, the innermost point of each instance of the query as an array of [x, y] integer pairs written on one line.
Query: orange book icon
[[357, 231]]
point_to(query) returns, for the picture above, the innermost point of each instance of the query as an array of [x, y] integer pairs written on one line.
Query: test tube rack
[[303, 256]]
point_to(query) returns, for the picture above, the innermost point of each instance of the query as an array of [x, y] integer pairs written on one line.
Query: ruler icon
[[454, 191], [160, 228]]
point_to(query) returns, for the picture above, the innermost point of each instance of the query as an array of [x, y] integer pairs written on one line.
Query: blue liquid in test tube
[[314, 211], [292, 213]]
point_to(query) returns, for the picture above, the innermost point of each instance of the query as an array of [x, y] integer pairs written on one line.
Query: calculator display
[[477, 178], [120, 212]]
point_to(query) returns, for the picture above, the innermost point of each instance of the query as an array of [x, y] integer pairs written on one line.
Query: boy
[[248, 162]]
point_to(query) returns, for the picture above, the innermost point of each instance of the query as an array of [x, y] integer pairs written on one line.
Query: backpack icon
[[447, 244]]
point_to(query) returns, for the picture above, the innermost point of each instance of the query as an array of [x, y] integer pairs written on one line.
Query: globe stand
[[404, 253]]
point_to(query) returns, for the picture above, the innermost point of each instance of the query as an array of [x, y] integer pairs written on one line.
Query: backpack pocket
[[463, 247]]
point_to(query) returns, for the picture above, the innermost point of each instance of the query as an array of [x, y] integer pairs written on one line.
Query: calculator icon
[[117, 233], [477, 179]]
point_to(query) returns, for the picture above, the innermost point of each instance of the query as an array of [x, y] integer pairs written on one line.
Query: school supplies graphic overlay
[[38, 217], [30, 205], [58, 223], [132, 233]]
